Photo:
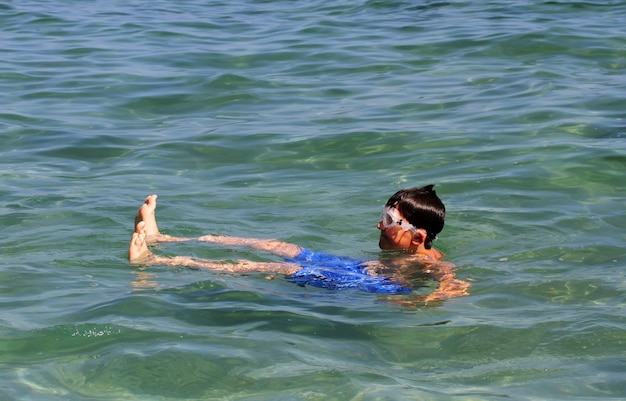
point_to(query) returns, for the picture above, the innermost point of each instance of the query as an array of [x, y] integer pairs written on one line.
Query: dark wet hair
[[422, 208]]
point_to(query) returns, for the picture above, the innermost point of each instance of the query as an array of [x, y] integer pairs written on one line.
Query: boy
[[410, 221]]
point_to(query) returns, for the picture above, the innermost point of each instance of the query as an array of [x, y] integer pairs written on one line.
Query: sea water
[[297, 120]]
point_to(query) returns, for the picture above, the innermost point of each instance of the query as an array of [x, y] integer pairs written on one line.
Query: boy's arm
[[449, 285]]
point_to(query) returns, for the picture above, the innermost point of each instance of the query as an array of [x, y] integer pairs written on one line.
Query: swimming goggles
[[388, 220]]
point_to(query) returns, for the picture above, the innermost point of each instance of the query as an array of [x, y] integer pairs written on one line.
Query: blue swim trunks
[[336, 273]]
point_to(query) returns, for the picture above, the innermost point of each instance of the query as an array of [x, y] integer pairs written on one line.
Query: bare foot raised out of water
[[138, 251], [146, 213]]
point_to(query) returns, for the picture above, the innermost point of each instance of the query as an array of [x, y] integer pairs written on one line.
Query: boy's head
[[422, 208]]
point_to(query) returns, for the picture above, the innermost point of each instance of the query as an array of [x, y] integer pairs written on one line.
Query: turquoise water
[[297, 120]]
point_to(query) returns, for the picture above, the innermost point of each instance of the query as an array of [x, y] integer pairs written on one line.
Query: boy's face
[[392, 235]]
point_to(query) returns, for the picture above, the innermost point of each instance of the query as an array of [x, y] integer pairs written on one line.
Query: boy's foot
[[138, 250], [146, 213]]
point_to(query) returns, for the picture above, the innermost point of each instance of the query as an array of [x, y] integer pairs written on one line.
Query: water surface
[[297, 120]]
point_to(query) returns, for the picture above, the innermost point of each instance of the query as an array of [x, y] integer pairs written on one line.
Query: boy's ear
[[419, 237]]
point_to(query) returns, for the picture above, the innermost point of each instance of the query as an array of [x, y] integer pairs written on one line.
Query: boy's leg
[[147, 215], [139, 253]]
